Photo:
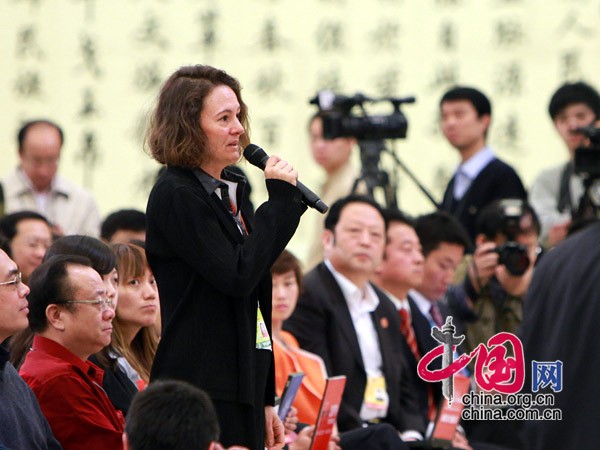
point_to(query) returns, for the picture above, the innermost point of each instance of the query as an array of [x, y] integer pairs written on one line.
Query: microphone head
[[256, 156]]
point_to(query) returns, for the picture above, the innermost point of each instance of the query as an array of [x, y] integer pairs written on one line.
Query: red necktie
[[409, 333], [436, 315]]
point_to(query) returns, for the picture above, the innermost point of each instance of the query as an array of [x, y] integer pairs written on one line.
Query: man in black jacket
[[353, 325], [481, 177]]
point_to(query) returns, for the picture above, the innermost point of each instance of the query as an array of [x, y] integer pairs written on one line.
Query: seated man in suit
[[71, 317], [444, 242], [22, 424], [353, 326], [481, 177]]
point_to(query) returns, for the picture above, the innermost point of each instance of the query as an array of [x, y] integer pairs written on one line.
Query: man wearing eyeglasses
[[22, 424], [72, 319]]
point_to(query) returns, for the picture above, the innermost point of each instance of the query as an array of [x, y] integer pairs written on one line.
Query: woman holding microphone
[[211, 255]]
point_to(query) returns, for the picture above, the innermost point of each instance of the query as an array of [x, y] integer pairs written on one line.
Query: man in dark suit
[[352, 325], [480, 177], [444, 242]]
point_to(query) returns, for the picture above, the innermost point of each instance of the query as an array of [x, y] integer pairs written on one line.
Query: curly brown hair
[[174, 135]]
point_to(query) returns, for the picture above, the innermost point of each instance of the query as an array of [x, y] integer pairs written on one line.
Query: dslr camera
[[339, 120], [587, 159], [512, 254]]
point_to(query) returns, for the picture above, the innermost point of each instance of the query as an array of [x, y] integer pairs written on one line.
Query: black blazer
[[211, 278], [323, 325], [496, 181]]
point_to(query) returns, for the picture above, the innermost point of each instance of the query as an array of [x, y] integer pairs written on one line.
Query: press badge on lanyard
[[376, 396], [263, 340]]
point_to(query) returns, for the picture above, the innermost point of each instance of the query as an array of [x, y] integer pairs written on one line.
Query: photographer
[[556, 192], [498, 272]]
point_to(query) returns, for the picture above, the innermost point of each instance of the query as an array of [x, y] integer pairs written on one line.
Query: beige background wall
[[95, 67]]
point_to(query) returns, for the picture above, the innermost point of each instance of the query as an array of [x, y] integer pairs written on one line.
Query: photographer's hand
[[485, 261], [514, 285]]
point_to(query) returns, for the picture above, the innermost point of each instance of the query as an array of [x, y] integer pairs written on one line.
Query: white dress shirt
[[468, 171]]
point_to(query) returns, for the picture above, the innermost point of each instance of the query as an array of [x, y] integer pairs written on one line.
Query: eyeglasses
[[104, 303], [16, 281]]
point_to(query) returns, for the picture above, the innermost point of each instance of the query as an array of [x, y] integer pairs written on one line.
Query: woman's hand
[[291, 420], [278, 169], [274, 431]]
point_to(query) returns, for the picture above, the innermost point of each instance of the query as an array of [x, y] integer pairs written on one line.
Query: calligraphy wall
[[95, 67]]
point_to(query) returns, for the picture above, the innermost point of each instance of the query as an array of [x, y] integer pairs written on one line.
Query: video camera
[[512, 254], [339, 120]]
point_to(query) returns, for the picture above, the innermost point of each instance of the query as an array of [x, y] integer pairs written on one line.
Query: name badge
[[376, 396], [263, 340]]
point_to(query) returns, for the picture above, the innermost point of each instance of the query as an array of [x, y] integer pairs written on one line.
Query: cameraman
[[556, 192], [498, 273]]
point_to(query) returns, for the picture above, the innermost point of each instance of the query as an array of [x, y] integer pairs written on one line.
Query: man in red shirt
[[72, 319]]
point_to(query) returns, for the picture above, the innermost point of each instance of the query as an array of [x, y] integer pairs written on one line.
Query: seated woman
[[289, 357], [134, 334]]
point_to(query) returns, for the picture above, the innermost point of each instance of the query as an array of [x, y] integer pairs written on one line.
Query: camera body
[[587, 159], [514, 257], [339, 120], [511, 254]]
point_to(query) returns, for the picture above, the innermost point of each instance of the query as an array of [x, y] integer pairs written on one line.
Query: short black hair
[[22, 134], [477, 98], [48, 284], [171, 415], [392, 215], [335, 211], [9, 223], [102, 257], [123, 219], [572, 93], [440, 227], [491, 220]]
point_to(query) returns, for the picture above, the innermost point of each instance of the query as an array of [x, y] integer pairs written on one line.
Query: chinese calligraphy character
[[385, 36], [330, 36], [147, 76], [208, 25], [508, 33], [509, 80], [27, 45], [149, 33], [28, 84]]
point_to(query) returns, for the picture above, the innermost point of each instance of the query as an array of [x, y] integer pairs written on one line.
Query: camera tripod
[[374, 177]]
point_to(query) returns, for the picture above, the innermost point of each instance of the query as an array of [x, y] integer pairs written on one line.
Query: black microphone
[[258, 157]]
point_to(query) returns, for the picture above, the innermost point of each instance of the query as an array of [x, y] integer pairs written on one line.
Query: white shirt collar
[[358, 301], [476, 163], [422, 303], [399, 303]]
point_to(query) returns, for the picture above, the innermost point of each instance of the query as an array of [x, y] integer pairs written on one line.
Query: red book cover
[[328, 412], [449, 415]]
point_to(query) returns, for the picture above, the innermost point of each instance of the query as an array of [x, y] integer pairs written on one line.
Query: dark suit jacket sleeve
[[234, 270]]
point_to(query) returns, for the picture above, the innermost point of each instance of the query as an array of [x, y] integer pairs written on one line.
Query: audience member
[[35, 185], [211, 256], [124, 226], [444, 241], [333, 155], [134, 336], [352, 325], [172, 415], [400, 271], [71, 317], [116, 383], [22, 425], [28, 235], [289, 358], [556, 192], [481, 177]]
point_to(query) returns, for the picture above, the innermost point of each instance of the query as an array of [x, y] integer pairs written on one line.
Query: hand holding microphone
[[259, 158]]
